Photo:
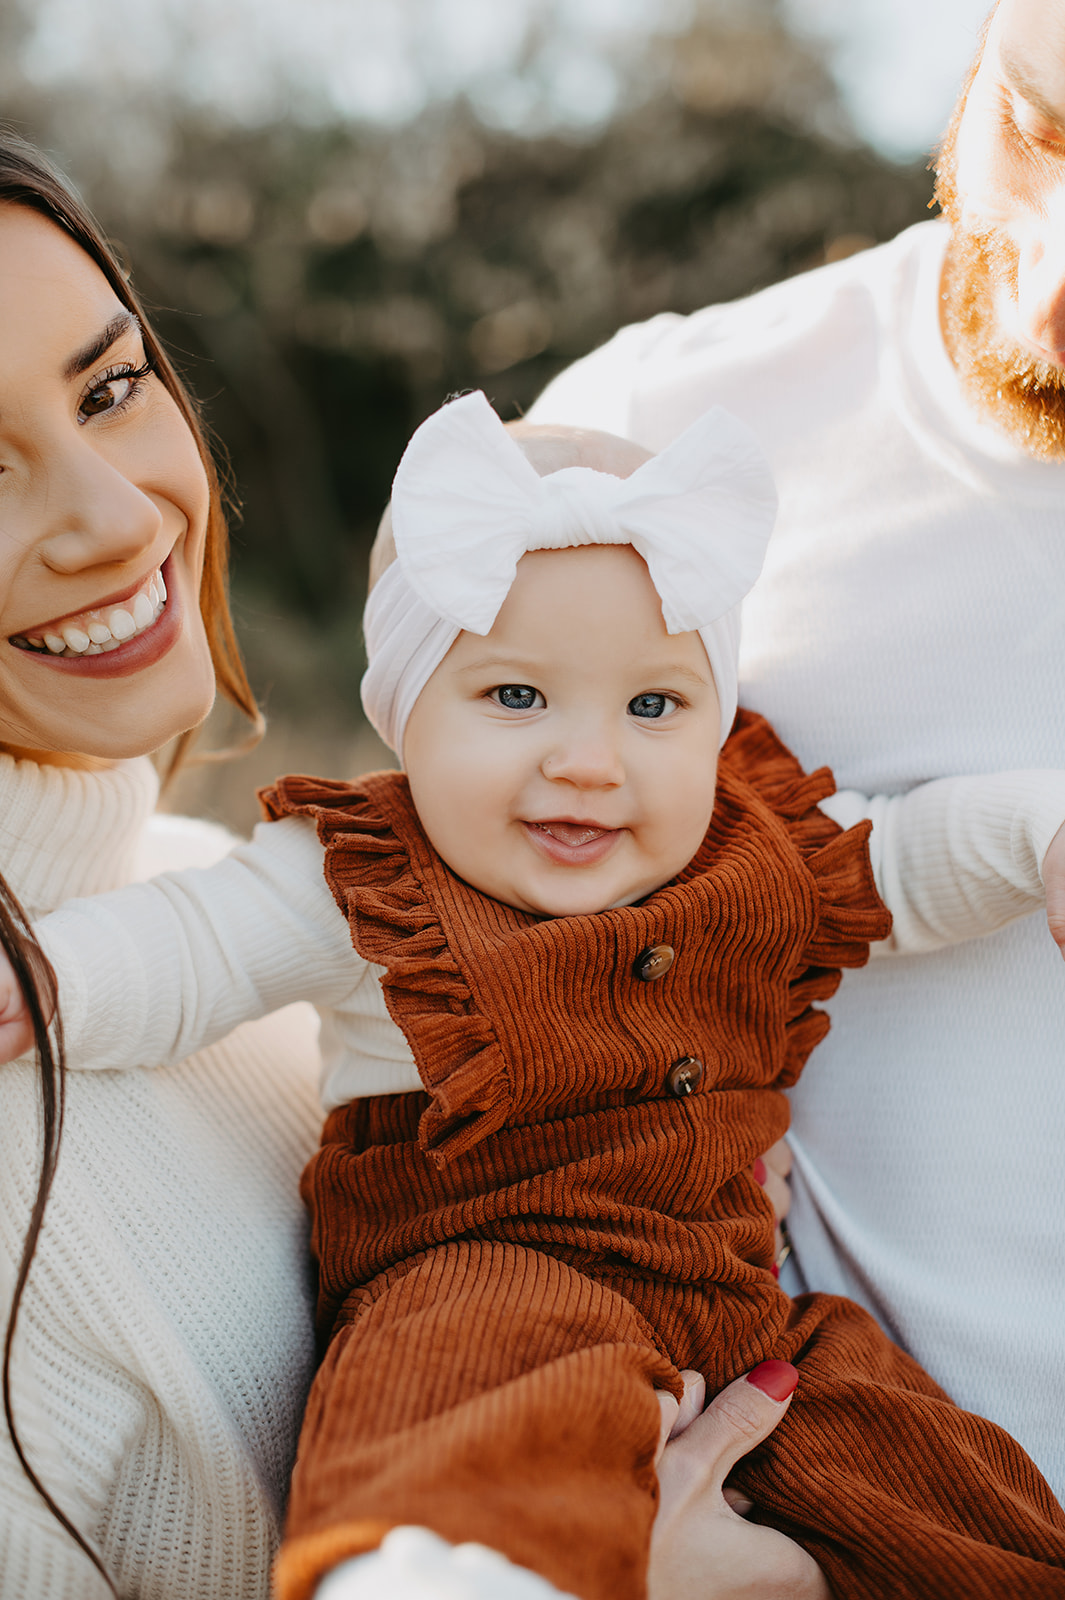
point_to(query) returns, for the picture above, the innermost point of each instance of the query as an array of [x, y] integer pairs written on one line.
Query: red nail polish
[[775, 1270], [759, 1171], [777, 1379]]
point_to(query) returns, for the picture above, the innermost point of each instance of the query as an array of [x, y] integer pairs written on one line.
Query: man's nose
[[1041, 283], [92, 514], [586, 755]]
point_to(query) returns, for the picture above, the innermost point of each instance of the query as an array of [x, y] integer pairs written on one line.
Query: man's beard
[[1004, 383]]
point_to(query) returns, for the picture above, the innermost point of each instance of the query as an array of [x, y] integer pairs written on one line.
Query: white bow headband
[[467, 505]]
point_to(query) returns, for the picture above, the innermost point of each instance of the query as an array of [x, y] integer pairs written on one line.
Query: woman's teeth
[[92, 633]]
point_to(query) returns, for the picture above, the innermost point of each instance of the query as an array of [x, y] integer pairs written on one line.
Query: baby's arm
[[961, 857], [151, 973]]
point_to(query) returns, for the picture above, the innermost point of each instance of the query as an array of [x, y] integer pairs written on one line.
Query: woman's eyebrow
[[122, 322]]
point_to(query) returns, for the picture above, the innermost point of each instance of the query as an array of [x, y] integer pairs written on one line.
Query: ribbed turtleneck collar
[[65, 832]]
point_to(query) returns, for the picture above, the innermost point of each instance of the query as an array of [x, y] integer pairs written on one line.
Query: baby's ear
[[384, 548]]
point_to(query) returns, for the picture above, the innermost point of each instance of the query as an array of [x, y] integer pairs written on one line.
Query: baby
[[588, 935]]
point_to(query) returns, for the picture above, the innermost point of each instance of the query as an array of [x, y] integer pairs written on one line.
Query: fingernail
[[759, 1171], [777, 1379], [775, 1270]]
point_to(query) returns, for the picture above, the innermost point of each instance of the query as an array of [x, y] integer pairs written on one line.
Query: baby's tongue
[[571, 833]]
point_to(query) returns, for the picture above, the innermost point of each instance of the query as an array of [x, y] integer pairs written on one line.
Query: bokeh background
[[341, 211]]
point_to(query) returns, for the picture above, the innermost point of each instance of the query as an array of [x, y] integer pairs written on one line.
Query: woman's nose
[[94, 515], [586, 757]]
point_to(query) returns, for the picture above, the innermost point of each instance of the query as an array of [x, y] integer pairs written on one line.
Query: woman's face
[[103, 512]]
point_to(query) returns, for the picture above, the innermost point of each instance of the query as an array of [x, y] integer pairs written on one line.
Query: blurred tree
[[325, 287]]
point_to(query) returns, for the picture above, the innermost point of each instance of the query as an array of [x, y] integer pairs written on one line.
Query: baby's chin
[[576, 900]]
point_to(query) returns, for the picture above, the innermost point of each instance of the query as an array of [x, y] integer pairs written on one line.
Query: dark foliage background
[[326, 286]]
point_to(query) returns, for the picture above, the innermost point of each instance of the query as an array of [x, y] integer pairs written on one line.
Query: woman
[[161, 1312], [164, 1342]]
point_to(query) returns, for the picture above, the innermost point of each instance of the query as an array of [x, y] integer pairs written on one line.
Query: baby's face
[[565, 762]]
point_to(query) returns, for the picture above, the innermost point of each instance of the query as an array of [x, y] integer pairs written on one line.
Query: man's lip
[[55, 623]]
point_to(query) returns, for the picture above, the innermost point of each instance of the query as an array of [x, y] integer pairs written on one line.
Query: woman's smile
[[119, 636], [103, 627]]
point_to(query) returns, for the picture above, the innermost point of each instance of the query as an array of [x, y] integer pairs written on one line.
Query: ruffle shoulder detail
[[380, 869], [850, 914]]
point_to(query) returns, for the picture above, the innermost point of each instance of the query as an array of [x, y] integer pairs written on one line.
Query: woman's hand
[[772, 1171], [16, 1028], [701, 1548]]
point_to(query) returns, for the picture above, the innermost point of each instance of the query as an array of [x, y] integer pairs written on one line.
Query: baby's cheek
[[689, 824]]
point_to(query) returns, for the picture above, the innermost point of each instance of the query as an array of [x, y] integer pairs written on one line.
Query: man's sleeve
[[958, 857]]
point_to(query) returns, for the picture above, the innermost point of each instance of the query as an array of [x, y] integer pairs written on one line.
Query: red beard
[[1022, 396]]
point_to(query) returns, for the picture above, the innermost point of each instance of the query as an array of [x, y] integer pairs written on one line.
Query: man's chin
[[1006, 385]]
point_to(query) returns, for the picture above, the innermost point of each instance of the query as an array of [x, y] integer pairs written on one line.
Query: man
[[910, 624]]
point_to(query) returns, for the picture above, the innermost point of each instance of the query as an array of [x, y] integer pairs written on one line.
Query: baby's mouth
[[571, 833], [96, 631]]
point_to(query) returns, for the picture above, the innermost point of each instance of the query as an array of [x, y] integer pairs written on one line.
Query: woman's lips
[[99, 629], [117, 659], [572, 844]]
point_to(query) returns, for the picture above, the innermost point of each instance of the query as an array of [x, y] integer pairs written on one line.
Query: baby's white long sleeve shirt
[[152, 972]]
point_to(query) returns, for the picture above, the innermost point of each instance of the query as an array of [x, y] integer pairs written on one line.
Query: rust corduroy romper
[[513, 1260]]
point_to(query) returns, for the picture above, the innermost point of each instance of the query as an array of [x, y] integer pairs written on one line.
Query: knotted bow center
[[575, 506]]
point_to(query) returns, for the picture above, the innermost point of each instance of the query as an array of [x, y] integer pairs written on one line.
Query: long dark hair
[[28, 180]]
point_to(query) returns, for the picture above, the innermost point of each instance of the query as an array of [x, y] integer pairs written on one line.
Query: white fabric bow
[[467, 505]]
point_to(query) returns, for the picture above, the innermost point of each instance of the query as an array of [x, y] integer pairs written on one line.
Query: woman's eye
[[652, 705], [112, 392], [518, 697]]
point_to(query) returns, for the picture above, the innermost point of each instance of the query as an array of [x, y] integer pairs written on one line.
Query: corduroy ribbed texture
[[513, 1260]]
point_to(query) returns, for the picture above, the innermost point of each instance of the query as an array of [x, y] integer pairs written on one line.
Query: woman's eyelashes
[[114, 390]]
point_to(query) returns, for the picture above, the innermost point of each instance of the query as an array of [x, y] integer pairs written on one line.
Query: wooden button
[[654, 962], [685, 1076]]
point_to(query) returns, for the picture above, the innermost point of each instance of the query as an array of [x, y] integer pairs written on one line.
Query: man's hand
[[1054, 884], [701, 1548]]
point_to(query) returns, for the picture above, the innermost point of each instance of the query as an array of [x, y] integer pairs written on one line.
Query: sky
[[898, 62]]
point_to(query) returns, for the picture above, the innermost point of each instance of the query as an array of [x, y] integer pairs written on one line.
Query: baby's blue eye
[[650, 705], [518, 696]]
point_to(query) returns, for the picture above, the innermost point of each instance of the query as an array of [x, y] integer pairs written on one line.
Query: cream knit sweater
[[164, 1346]]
